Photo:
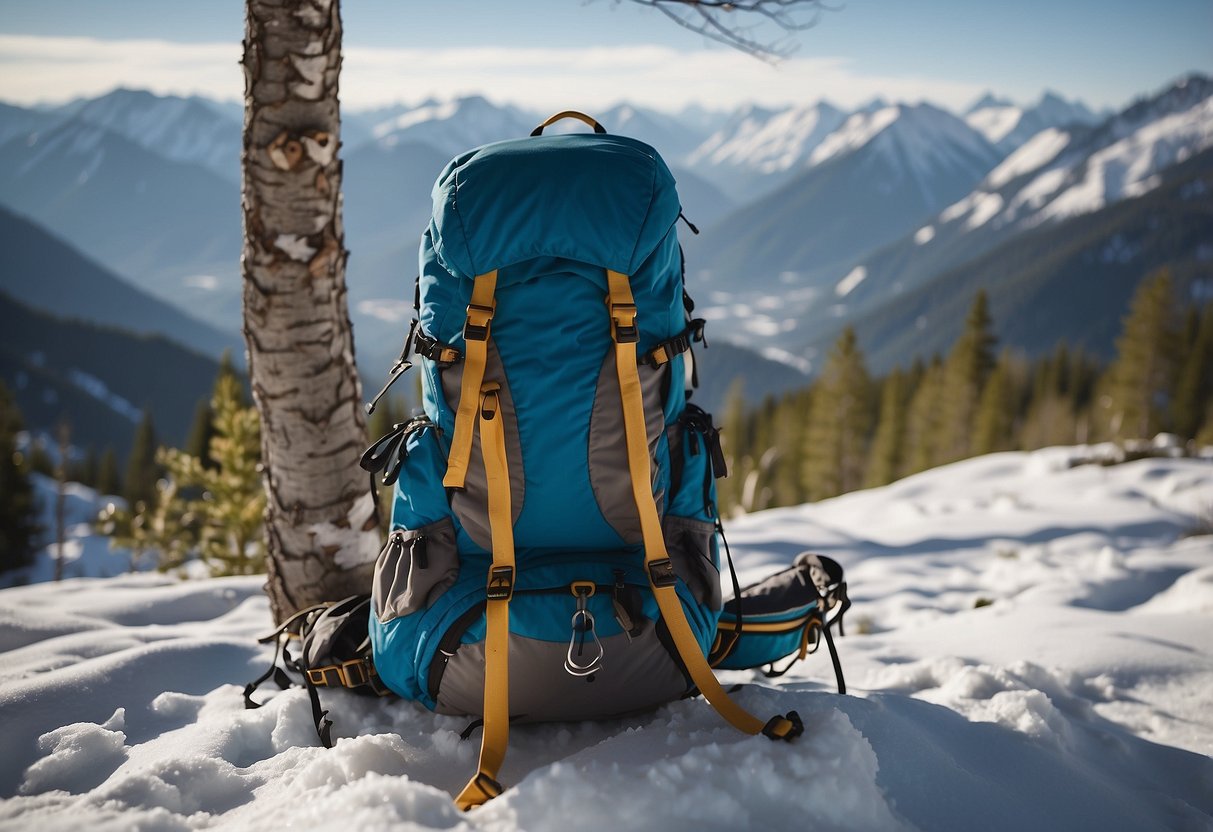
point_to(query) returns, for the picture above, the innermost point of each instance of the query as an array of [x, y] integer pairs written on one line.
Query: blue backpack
[[554, 544]]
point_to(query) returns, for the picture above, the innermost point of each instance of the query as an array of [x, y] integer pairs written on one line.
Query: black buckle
[[661, 572], [625, 333], [501, 583], [325, 677], [477, 332], [436, 351], [354, 672], [784, 727]]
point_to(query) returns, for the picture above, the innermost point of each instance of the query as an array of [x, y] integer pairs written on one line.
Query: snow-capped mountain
[[702, 119], [866, 183], [154, 221], [1064, 172], [675, 137], [775, 143], [837, 209], [733, 171], [182, 129], [454, 126], [1069, 218], [1007, 126]]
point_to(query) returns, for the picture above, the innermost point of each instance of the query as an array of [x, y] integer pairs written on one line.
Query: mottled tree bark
[[321, 520]]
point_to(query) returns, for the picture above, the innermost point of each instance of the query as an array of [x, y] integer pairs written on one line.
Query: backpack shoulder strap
[[625, 334], [476, 339], [484, 786]]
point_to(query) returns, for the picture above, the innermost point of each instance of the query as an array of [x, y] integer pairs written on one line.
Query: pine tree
[[1053, 410], [994, 428], [162, 527], [1195, 384], [1140, 382], [108, 481], [85, 471], [38, 460], [922, 421], [18, 525], [229, 514], [884, 461], [788, 438], [142, 471], [198, 441], [756, 493], [1204, 436], [840, 419], [965, 372]]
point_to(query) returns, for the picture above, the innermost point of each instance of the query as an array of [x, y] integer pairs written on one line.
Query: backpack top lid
[[604, 200]]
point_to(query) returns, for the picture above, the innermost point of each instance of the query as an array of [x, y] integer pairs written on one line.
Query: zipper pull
[[419, 552]]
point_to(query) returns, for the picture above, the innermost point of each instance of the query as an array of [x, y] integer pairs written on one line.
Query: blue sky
[[545, 53]]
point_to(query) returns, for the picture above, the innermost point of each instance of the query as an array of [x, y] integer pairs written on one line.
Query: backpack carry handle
[[598, 128]]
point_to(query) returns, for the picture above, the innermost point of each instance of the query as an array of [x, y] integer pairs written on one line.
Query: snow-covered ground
[[1036, 652]]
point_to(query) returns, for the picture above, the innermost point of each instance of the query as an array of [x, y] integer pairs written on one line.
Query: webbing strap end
[[784, 727], [480, 790]]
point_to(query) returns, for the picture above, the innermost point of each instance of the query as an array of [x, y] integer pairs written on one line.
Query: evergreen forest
[[848, 430]]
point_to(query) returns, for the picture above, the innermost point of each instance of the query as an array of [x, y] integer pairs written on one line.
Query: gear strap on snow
[[625, 334], [484, 786], [476, 349]]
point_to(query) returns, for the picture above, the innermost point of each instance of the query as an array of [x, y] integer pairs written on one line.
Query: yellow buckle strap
[[500, 587], [476, 338], [657, 561], [349, 674]]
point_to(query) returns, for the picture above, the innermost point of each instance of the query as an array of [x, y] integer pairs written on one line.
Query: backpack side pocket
[[414, 568], [691, 546]]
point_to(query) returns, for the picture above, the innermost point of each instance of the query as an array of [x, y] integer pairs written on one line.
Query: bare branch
[[717, 20]]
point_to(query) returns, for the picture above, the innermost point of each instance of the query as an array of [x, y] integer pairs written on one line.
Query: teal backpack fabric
[[546, 259], [550, 213]]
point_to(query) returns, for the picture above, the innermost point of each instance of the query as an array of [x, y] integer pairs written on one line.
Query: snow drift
[[1035, 651]]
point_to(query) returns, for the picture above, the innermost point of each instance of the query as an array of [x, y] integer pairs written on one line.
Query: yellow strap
[[657, 562], [475, 355], [766, 627], [496, 732]]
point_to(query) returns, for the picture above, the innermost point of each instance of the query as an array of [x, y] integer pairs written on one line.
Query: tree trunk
[[321, 520]]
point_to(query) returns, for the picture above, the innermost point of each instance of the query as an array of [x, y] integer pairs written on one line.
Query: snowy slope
[[1061, 173], [767, 142], [1080, 697], [1008, 126]]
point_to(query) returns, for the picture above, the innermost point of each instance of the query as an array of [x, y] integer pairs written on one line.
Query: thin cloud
[[50, 69]]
